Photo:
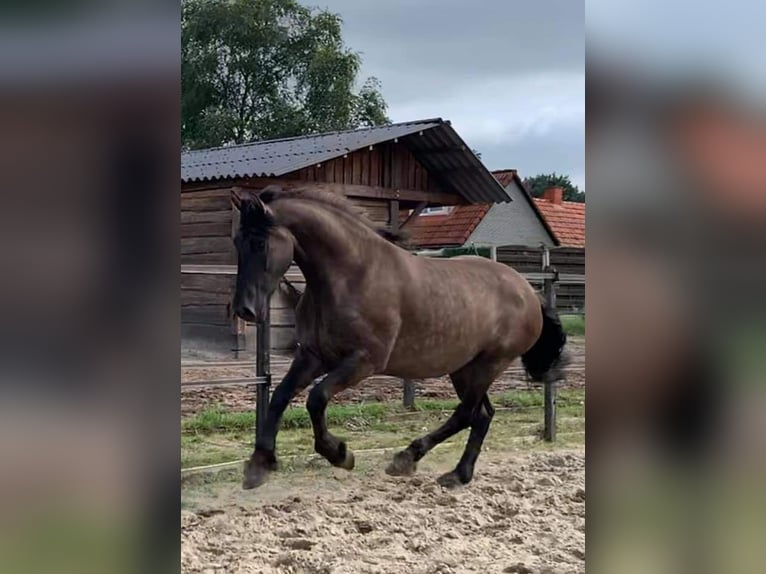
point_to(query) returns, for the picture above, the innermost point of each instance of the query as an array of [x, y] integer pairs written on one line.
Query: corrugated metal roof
[[433, 142]]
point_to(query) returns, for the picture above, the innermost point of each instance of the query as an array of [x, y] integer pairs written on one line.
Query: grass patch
[[510, 431], [217, 419], [573, 324], [215, 435]]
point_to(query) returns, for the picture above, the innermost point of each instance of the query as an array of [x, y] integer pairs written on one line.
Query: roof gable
[[434, 143]]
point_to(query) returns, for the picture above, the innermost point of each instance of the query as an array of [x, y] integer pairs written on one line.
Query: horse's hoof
[[451, 480], [403, 464], [254, 478], [344, 458], [348, 462], [257, 469], [250, 482]]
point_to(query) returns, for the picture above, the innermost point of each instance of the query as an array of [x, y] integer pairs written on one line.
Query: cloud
[[508, 75], [502, 108]]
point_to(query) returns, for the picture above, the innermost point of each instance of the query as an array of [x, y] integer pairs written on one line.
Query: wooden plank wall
[[206, 225], [205, 299], [389, 165], [206, 220]]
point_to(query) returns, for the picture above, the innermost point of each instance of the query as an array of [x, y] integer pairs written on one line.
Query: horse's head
[[264, 253]]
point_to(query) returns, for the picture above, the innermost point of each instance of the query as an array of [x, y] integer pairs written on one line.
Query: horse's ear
[[236, 197], [269, 192], [258, 205], [257, 202]]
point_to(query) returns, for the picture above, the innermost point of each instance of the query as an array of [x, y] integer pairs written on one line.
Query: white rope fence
[[311, 457]]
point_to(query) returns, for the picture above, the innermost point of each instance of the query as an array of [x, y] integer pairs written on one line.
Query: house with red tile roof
[[566, 218], [548, 221]]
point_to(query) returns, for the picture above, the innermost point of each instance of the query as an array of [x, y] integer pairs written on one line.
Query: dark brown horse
[[371, 307]]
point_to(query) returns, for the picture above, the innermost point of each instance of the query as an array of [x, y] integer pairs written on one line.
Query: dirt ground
[[373, 389], [524, 512]]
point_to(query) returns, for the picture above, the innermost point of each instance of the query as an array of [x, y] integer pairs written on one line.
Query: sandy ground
[[524, 512], [373, 389]]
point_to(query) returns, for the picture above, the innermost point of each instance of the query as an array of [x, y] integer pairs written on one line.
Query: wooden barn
[[383, 170]]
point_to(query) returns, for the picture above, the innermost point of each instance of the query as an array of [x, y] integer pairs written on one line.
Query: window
[[440, 210]]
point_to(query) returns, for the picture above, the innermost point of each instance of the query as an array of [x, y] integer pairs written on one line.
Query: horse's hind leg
[[463, 473], [405, 461], [471, 383]]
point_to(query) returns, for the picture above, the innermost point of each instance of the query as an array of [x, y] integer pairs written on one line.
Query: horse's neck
[[325, 247]]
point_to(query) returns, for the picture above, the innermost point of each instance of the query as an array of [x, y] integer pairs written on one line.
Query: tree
[[538, 184], [262, 69]]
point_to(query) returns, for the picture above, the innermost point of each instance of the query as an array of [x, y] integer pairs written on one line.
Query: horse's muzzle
[[246, 313]]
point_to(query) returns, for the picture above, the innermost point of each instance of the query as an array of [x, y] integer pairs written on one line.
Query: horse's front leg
[[305, 368], [348, 373]]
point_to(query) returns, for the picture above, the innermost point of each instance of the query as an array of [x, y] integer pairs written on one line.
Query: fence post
[[493, 252], [409, 393], [262, 371], [549, 433]]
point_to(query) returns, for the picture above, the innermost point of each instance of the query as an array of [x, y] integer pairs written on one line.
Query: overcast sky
[[509, 74]]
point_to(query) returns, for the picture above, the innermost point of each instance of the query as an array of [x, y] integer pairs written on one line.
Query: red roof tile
[[447, 230], [567, 220]]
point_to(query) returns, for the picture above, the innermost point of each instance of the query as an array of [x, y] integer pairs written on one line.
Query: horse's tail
[[547, 354]]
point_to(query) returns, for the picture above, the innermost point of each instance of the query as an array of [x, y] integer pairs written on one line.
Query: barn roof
[[434, 143]]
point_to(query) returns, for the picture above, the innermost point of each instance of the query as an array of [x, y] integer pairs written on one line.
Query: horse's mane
[[336, 203]]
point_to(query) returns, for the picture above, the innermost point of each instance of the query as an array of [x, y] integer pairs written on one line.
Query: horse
[[370, 307]]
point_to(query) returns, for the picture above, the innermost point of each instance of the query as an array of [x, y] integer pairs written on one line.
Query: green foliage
[[457, 251], [263, 69], [538, 184], [573, 324]]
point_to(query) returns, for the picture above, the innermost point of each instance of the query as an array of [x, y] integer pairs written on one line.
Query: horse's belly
[[432, 356]]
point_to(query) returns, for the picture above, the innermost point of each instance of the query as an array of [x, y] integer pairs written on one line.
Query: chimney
[[554, 194]]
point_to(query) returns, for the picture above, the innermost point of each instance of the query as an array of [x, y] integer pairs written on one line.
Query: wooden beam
[[224, 269], [415, 213], [352, 190]]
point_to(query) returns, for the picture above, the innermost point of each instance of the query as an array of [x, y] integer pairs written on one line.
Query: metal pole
[[262, 372], [493, 252]]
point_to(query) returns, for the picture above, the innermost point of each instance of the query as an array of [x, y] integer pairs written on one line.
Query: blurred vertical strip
[[89, 328], [675, 151]]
